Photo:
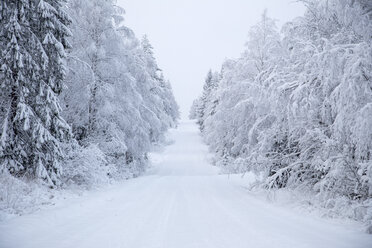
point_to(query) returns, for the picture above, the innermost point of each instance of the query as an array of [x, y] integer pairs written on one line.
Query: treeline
[[82, 100], [296, 107]]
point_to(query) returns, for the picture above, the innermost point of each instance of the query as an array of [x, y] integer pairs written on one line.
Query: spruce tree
[[32, 43]]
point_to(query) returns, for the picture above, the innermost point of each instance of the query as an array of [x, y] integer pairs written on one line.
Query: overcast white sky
[[192, 36]]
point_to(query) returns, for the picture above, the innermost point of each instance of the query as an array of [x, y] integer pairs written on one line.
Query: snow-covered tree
[[263, 42], [204, 106], [32, 43]]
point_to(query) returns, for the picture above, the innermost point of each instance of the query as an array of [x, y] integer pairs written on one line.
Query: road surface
[[181, 202]]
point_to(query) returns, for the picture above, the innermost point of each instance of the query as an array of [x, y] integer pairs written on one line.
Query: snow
[[182, 201]]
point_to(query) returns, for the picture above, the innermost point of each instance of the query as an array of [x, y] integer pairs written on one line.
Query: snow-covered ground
[[180, 202]]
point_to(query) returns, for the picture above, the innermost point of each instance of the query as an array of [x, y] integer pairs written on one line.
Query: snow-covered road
[[181, 202]]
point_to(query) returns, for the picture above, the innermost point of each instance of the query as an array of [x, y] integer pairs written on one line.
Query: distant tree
[[202, 105]]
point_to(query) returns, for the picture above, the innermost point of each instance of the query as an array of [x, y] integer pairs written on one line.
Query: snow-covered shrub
[[21, 195], [12, 192], [86, 167]]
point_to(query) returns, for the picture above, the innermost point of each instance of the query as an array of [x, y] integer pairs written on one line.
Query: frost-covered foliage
[[297, 108], [116, 96]]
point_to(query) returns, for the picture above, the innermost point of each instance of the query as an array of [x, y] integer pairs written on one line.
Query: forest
[[82, 99], [296, 107]]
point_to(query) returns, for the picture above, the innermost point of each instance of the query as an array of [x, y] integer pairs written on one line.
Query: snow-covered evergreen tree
[[204, 106], [32, 42]]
